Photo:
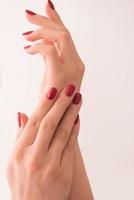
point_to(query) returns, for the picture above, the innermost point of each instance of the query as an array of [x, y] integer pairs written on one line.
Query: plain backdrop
[[103, 31]]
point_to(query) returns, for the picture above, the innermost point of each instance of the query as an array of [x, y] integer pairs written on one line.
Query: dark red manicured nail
[[19, 119], [26, 47], [77, 119], [77, 98], [29, 12], [70, 90], [51, 4], [27, 33], [52, 93]]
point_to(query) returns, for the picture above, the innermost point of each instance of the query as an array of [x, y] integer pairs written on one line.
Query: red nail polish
[[70, 90], [77, 119], [77, 98], [29, 12], [26, 47], [52, 93], [19, 119], [51, 4], [27, 33]]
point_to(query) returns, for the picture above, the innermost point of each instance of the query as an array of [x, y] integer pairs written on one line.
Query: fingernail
[[27, 33], [29, 12], [19, 119], [52, 93], [51, 4], [26, 47], [77, 119], [70, 90], [77, 98]]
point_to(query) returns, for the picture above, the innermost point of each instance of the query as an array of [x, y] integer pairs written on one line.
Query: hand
[[54, 43], [64, 65], [41, 165]]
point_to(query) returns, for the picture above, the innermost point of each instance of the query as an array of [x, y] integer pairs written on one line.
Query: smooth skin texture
[[54, 43], [41, 165], [63, 66]]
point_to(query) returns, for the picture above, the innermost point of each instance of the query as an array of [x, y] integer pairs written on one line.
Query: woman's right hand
[[53, 41], [41, 165]]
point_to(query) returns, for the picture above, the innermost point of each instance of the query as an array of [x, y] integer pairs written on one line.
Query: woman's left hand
[[41, 165]]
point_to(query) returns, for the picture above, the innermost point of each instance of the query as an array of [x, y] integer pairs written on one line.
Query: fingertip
[[52, 13], [24, 115], [30, 49], [27, 47], [24, 119], [51, 5], [27, 33], [48, 10], [30, 13]]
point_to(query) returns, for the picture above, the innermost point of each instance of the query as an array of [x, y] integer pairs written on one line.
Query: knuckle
[[62, 135], [65, 35], [48, 125], [33, 121], [32, 167], [51, 50], [17, 155]]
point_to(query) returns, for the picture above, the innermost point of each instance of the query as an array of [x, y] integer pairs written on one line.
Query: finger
[[47, 33], [53, 26], [68, 154], [52, 119], [42, 21], [62, 39], [48, 51], [22, 120], [52, 60], [65, 127], [43, 106], [52, 13]]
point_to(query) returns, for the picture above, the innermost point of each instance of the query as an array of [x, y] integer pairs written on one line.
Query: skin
[[63, 66], [41, 165]]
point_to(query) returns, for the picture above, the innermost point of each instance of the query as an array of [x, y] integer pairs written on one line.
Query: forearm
[[81, 189]]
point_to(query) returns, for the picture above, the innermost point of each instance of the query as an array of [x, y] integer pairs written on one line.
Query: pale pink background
[[103, 31]]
